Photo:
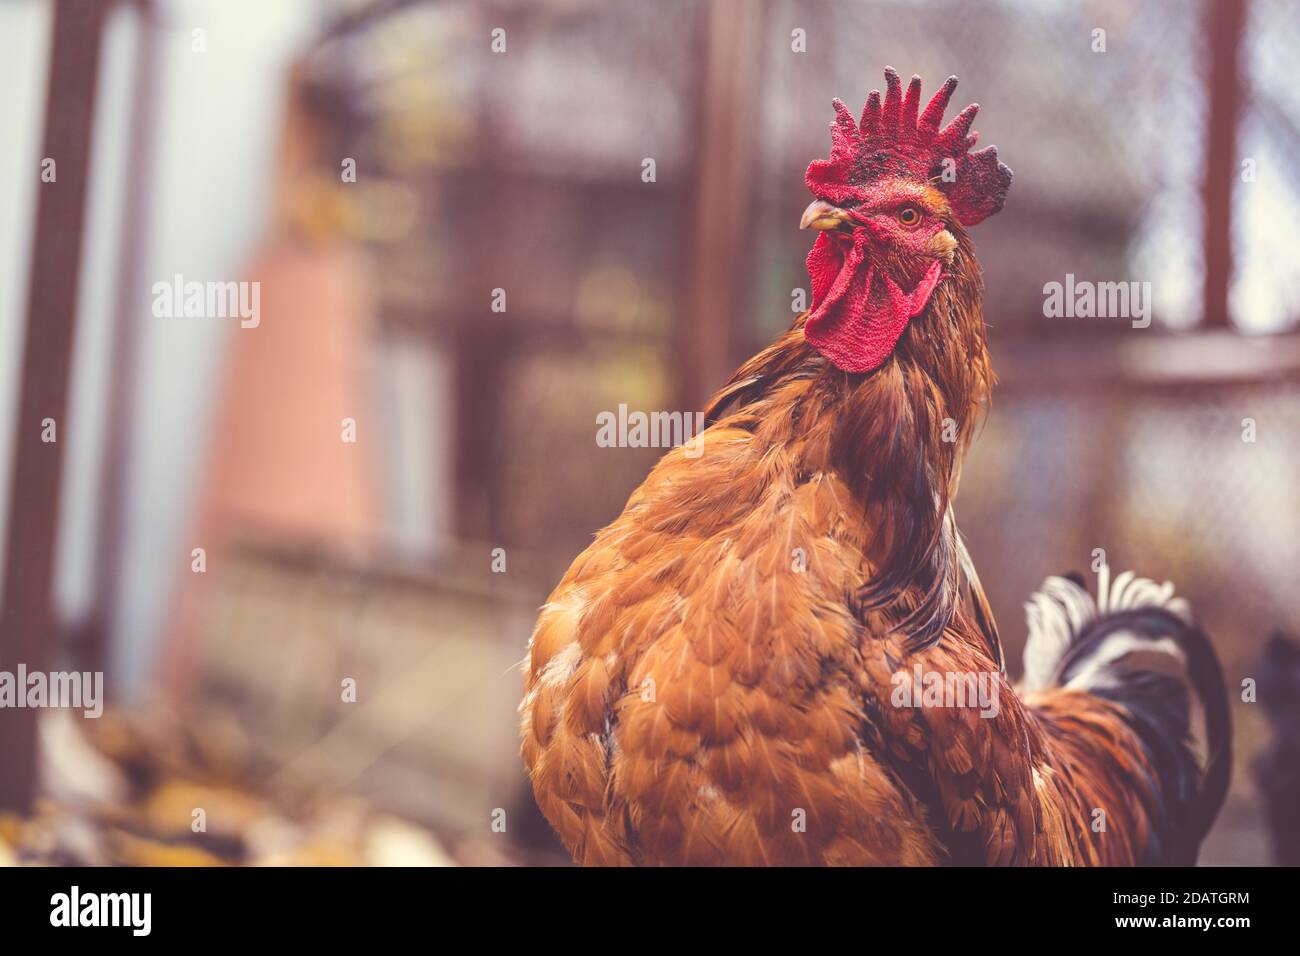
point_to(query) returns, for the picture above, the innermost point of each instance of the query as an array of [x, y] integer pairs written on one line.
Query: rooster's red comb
[[892, 140]]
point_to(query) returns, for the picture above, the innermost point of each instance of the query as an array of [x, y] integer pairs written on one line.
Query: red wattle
[[858, 315]]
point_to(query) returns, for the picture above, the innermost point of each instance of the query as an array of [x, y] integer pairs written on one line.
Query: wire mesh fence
[[1098, 108], [1101, 110]]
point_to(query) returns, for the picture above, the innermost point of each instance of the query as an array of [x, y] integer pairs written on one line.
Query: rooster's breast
[[692, 690]]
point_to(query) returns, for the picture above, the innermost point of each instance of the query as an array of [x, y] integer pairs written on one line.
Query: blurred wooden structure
[[27, 626], [522, 172], [1225, 22]]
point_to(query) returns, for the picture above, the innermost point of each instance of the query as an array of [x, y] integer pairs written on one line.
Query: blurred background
[[460, 252]]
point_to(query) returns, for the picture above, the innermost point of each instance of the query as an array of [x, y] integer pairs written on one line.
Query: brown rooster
[[780, 652]]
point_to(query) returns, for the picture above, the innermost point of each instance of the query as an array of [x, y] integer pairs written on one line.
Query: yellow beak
[[822, 215]]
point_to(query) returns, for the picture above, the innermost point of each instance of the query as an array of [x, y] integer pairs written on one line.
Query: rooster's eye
[[909, 216]]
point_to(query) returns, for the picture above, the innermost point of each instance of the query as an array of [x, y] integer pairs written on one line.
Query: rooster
[[758, 662]]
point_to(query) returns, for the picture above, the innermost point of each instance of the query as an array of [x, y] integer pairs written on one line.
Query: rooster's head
[[890, 203]]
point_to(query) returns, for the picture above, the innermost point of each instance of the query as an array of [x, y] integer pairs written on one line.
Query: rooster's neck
[[915, 414], [895, 435]]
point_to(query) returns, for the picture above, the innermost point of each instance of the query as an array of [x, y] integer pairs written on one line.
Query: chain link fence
[[529, 170]]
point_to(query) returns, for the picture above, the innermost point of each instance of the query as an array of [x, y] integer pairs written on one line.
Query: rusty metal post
[[707, 333], [1224, 25], [26, 616]]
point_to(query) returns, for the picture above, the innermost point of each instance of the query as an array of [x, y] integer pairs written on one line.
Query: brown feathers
[[714, 680]]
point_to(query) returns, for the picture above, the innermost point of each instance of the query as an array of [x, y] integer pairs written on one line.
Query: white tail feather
[[1060, 610]]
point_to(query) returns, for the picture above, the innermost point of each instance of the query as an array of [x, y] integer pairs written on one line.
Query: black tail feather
[[1139, 646]]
